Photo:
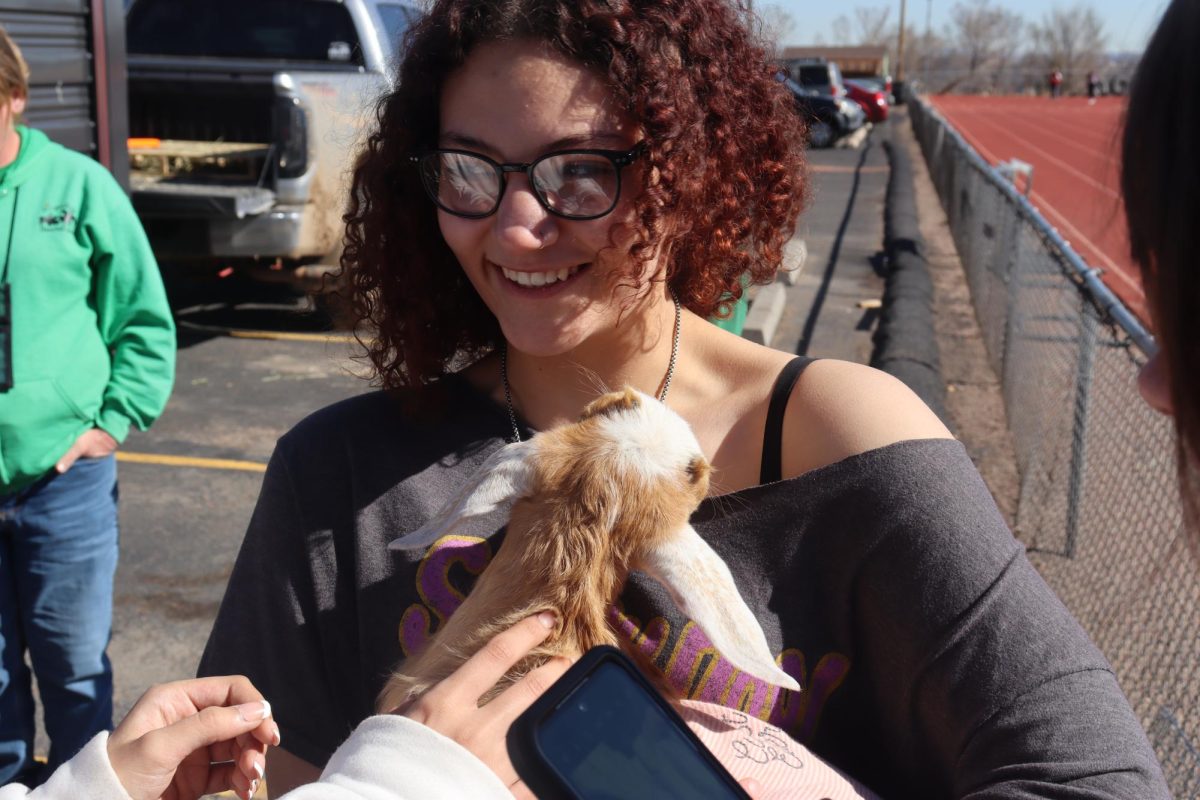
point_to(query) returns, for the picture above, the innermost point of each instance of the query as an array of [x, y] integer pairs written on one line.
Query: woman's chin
[[540, 344]]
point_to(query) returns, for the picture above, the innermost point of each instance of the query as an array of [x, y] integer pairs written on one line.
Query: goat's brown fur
[[571, 543]]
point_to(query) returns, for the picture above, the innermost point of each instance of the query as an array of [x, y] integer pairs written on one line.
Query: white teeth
[[539, 278]]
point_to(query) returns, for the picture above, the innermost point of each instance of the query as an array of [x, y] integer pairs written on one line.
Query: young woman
[[1160, 181], [557, 194]]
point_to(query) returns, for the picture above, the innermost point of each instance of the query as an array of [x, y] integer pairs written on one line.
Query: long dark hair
[[724, 176], [1160, 180]]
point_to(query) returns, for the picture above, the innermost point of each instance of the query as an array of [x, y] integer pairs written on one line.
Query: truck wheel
[[820, 133]]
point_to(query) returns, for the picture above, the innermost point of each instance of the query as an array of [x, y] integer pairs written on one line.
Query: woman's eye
[[583, 169]]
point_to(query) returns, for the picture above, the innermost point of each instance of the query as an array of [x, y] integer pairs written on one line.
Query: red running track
[[1074, 148]]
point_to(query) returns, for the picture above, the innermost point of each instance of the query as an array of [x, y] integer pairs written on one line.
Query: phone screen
[[608, 740]]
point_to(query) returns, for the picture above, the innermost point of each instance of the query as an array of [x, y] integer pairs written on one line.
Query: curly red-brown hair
[[722, 188]]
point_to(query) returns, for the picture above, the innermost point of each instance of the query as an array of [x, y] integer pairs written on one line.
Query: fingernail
[[275, 733], [254, 712], [259, 769], [548, 619], [253, 788]]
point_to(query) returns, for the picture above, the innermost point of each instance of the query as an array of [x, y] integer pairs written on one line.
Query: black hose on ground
[[905, 342]]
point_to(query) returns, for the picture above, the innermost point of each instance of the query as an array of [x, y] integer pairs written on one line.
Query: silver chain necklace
[[662, 395]]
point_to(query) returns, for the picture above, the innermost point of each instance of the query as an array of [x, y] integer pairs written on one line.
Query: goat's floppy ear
[[495, 486], [702, 587], [611, 403]]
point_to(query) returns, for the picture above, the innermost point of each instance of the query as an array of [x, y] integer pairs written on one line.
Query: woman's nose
[[521, 222], [1154, 384]]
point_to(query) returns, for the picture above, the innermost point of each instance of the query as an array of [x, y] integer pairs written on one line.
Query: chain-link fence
[[1098, 506]]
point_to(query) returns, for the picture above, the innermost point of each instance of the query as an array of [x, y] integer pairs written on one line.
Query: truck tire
[[821, 133]]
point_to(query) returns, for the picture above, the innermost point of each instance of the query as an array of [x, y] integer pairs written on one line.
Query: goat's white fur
[[640, 472]]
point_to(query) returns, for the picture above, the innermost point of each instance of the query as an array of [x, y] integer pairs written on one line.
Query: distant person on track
[[1055, 80], [87, 351], [1160, 181], [1093, 87]]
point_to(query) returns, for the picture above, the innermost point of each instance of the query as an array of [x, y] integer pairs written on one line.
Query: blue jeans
[[58, 553]]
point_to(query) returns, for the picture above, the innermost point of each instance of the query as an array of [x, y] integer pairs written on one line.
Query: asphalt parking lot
[[251, 365], [246, 373]]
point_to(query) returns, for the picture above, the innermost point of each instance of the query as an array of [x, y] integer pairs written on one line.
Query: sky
[[1128, 23]]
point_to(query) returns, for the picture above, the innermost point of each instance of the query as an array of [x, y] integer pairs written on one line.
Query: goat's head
[[610, 493]]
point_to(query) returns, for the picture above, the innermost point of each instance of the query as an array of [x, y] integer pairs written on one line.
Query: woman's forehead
[[521, 96]]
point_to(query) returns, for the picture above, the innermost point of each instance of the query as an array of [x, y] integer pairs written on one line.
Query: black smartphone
[[603, 732]]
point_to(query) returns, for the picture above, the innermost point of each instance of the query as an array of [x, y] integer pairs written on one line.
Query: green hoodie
[[93, 344]]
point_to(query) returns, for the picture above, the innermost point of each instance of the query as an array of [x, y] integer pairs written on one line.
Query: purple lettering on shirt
[[650, 640], [798, 713], [698, 672], [438, 594]]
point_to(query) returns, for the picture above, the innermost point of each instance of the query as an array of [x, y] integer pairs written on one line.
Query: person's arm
[[133, 313], [444, 744], [987, 686], [180, 740], [986, 683]]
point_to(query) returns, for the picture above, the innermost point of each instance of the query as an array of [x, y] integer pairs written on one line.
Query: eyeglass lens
[[570, 184]]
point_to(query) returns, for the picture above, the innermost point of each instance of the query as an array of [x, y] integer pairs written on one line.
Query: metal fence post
[[1088, 327]]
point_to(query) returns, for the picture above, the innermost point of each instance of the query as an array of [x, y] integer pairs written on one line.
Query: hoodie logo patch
[[61, 218]]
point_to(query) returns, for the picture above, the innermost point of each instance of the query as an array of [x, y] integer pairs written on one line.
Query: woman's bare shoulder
[[839, 409]]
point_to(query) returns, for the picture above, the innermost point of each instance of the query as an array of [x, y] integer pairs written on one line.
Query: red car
[[873, 102]]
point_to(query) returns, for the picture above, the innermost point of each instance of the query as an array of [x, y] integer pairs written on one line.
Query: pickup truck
[[244, 120]]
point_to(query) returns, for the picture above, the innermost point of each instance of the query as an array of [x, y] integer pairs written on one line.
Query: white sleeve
[[89, 774], [390, 757]]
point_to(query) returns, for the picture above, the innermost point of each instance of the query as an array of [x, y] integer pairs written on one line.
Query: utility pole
[[926, 44], [900, 46]]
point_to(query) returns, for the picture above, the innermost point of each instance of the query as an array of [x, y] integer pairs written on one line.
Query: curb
[[905, 342], [769, 302]]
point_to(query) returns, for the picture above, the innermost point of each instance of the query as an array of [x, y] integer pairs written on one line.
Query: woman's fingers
[[509, 704], [209, 727], [252, 766], [481, 671]]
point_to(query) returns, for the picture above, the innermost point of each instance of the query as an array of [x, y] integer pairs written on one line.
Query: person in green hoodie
[[87, 349]]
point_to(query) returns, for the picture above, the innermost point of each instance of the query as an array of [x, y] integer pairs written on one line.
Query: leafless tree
[[868, 26], [841, 30], [776, 24], [1071, 40], [985, 36], [871, 24]]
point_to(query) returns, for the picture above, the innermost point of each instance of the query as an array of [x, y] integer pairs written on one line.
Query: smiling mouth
[[538, 279]]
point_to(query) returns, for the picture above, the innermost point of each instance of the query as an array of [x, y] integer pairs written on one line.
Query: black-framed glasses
[[574, 184]]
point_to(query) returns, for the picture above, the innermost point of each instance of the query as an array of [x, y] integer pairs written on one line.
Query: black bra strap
[[772, 450]]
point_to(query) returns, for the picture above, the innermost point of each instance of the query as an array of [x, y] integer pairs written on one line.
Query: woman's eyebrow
[[575, 140]]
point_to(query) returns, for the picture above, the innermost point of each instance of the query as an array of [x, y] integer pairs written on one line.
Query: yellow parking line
[[189, 461], [292, 337]]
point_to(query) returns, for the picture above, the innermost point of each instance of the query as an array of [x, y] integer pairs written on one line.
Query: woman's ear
[[17, 104]]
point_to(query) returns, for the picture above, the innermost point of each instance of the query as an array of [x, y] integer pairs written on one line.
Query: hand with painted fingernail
[[452, 706], [190, 738]]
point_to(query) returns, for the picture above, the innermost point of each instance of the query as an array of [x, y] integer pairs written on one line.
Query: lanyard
[[12, 232]]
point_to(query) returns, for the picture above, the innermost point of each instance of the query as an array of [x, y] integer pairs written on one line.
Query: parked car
[[244, 118], [876, 83], [827, 118], [818, 76], [873, 101]]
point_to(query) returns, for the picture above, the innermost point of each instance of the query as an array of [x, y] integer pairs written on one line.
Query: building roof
[[834, 53]]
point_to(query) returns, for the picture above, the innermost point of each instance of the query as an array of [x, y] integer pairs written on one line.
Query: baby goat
[[588, 502]]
